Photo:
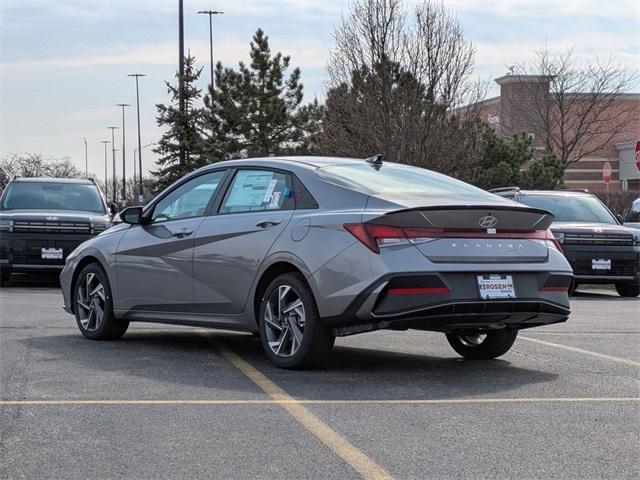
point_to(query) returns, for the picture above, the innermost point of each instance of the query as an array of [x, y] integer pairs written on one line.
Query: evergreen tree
[[512, 163], [253, 110], [184, 130]]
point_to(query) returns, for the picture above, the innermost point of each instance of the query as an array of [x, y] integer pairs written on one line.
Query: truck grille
[[33, 226], [597, 239]]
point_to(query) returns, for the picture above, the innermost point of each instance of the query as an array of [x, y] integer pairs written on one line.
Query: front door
[[231, 245], [155, 260]]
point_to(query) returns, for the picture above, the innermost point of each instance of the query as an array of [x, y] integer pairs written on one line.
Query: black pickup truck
[[599, 248], [42, 220]]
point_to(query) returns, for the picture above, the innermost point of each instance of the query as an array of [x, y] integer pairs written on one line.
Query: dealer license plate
[[600, 264], [496, 286], [51, 253]]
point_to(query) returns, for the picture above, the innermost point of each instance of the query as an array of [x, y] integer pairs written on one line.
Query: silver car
[[304, 249]]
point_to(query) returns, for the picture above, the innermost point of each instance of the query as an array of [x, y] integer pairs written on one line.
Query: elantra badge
[[52, 219], [488, 221]]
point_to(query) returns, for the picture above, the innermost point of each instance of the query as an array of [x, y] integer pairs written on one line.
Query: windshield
[[392, 178], [52, 196], [571, 208]]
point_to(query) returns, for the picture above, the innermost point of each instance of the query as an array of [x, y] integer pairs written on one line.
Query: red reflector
[[554, 289], [414, 291]]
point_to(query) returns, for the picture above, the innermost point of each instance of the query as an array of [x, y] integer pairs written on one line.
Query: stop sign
[[606, 172], [638, 155]]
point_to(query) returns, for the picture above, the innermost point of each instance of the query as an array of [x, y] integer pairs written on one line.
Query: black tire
[[4, 277], [495, 344], [317, 340], [110, 327], [628, 289], [573, 287]]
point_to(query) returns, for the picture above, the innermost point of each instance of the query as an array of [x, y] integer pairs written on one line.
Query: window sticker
[[275, 201], [267, 194], [249, 189]]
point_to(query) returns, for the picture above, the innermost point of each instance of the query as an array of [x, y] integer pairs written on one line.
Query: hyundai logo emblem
[[488, 221], [52, 219]]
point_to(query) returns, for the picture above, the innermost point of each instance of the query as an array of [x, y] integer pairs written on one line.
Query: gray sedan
[[304, 249]]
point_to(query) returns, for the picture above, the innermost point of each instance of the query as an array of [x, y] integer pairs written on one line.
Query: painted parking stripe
[[332, 439], [434, 401], [581, 350]]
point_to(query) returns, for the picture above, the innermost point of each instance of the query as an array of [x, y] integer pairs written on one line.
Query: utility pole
[[124, 163], [183, 157], [113, 151], [140, 193], [211, 13], [86, 159], [106, 184]]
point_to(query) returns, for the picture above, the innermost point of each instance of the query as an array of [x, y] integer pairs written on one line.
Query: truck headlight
[[6, 225]]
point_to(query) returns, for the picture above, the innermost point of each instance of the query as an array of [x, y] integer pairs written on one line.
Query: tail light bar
[[375, 236]]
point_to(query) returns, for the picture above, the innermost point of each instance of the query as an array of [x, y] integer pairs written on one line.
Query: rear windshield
[[571, 208], [52, 196], [393, 178]]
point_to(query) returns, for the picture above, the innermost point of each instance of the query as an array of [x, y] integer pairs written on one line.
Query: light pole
[[124, 162], [140, 194], [113, 151], [86, 159], [211, 13], [106, 187], [141, 197]]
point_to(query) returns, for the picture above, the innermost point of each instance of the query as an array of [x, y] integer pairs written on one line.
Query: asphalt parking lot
[[170, 402]]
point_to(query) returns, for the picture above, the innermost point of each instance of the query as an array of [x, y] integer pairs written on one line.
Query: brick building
[[510, 113]]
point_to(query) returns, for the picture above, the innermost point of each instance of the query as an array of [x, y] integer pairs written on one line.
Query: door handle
[[183, 232], [268, 223]]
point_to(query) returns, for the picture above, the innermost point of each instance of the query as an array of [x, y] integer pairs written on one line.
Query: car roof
[[556, 193], [310, 162], [81, 181]]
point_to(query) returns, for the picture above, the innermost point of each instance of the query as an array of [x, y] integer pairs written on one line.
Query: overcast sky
[[64, 64]]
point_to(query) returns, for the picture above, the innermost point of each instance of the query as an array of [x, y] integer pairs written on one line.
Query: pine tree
[[184, 130], [511, 162], [253, 110]]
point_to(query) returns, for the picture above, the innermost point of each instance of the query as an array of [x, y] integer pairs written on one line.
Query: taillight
[[375, 236]]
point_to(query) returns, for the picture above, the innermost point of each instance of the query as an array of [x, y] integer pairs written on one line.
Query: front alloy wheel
[[290, 329], [93, 305]]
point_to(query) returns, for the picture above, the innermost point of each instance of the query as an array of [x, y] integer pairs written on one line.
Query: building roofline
[[511, 78]]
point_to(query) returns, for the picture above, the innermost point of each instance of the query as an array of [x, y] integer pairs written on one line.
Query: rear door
[[231, 245], [155, 261]]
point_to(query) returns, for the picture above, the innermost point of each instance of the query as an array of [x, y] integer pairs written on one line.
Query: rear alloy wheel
[[290, 329], [628, 289], [93, 306], [482, 345]]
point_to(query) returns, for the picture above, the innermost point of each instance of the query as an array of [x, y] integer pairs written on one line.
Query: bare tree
[[35, 165], [395, 78], [582, 111]]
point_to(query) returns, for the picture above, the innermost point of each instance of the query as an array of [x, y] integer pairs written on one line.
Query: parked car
[[42, 220], [632, 218], [599, 249], [303, 249]]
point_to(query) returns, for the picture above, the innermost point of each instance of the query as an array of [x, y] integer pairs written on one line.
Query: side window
[[257, 190], [188, 200]]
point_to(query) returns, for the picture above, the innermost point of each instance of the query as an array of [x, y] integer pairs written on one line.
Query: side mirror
[[113, 209], [620, 218], [132, 215]]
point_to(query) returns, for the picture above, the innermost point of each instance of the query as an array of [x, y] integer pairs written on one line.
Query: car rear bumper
[[460, 308]]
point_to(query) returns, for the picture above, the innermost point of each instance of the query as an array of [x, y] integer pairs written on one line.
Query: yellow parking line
[[290, 400], [332, 439], [581, 350]]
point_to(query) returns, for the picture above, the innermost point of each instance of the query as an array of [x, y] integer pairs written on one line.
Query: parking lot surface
[[171, 402]]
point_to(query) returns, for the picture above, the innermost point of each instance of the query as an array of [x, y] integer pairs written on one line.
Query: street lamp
[[211, 13], [138, 75], [113, 151], [106, 188], [124, 163], [86, 159]]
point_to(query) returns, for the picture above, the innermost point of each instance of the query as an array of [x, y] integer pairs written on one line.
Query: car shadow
[[35, 280], [190, 359], [600, 296]]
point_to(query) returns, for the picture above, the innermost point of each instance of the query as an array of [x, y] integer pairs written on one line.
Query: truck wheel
[[93, 306], [481, 345], [4, 277], [628, 289]]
